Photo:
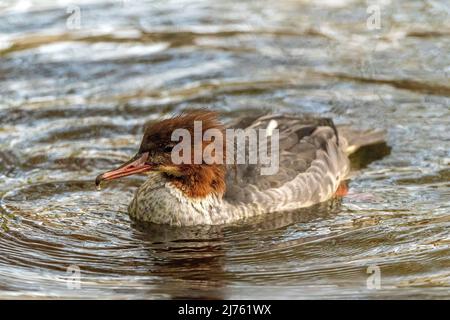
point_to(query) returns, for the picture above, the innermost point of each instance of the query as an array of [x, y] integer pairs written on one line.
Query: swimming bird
[[312, 155]]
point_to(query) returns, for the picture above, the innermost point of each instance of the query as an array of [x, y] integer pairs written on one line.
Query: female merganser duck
[[313, 161]]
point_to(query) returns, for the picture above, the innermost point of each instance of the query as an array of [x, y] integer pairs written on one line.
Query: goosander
[[312, 157]]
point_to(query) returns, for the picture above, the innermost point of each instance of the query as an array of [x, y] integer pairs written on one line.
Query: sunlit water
[[75, 93]]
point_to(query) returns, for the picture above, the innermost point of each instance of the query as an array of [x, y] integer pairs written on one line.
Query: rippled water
[[73, 101]]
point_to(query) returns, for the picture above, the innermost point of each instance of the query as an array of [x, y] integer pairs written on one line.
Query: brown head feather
[[195, 180]]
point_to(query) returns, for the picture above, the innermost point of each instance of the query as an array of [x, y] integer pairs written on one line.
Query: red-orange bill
[[135, 165]]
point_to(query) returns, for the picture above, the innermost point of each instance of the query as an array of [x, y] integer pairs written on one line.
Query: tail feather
[[354, 139]]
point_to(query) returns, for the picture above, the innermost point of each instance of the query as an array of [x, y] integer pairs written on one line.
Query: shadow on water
[[364, 156]]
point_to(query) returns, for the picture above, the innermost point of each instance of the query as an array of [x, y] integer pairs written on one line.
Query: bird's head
[[179, 160]]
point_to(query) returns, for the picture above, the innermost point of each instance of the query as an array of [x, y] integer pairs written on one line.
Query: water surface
[[73, 99]]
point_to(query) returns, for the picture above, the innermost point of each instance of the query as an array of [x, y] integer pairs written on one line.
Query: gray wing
[[311, 164]]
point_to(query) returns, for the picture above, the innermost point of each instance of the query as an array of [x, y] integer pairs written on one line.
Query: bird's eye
[[168, 148]]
